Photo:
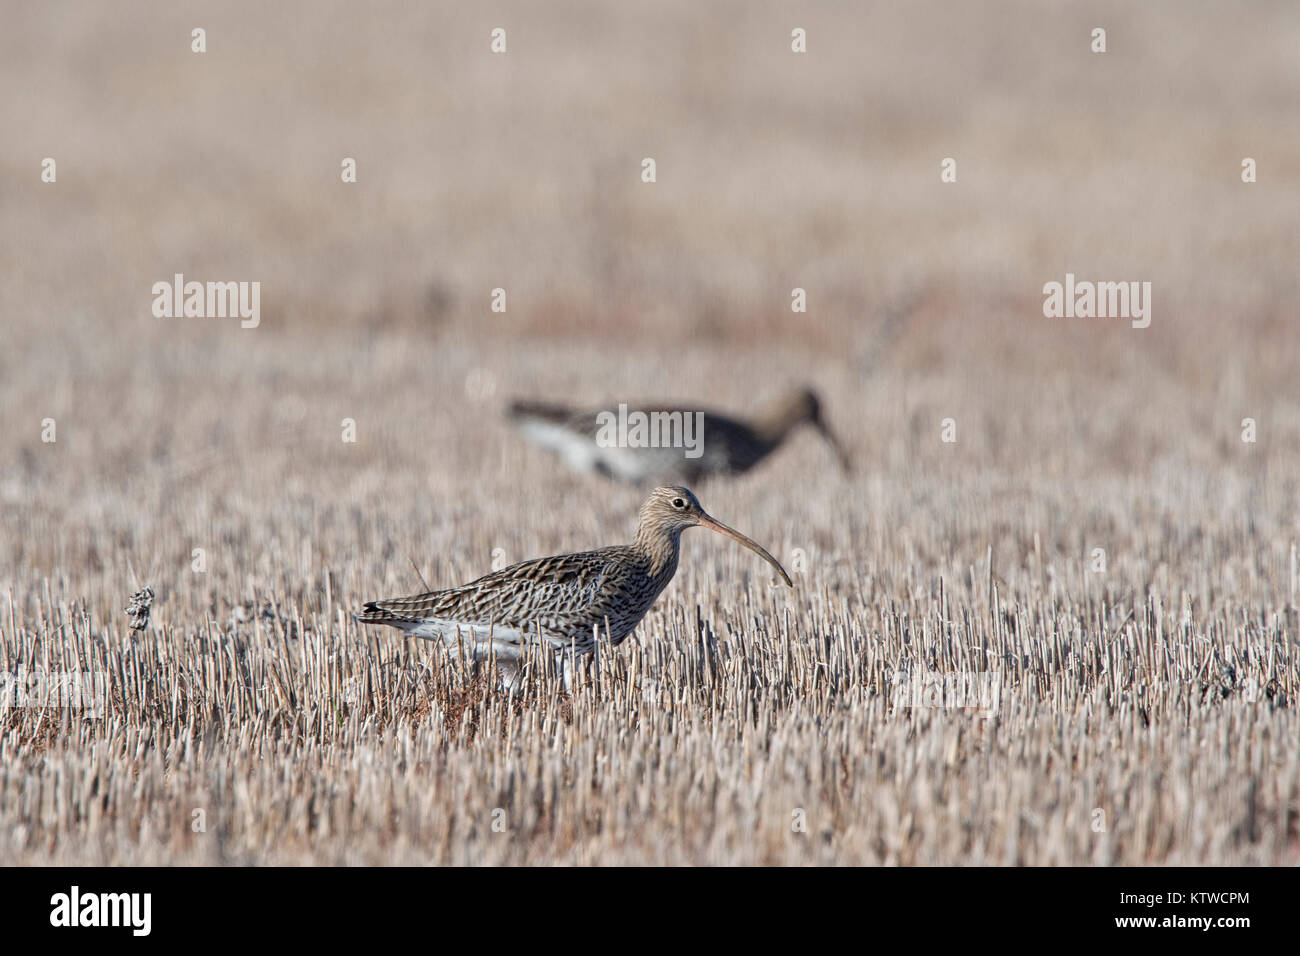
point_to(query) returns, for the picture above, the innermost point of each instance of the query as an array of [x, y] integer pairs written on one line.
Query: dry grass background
[[1162, 692]]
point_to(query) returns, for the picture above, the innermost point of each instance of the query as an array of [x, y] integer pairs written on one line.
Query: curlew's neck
[[660, 544]]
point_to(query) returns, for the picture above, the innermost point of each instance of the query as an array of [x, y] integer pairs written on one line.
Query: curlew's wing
[[728, 446], [562, 596], [572, 435]]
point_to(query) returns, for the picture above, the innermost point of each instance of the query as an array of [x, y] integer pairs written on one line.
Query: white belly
[[584, 455], [480, 640]]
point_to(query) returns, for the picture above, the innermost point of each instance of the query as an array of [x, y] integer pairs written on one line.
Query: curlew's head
[[804, 406], [670, 511]]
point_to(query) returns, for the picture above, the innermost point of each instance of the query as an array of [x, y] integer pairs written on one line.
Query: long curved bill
[[713, 524], [832, 439]]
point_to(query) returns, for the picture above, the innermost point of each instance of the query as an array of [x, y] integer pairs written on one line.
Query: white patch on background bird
[[580, 453]]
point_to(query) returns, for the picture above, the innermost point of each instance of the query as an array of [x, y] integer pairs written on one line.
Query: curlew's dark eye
[[679, 503]]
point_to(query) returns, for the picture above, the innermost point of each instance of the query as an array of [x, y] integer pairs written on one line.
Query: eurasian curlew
[[728, 446], [565, 601]]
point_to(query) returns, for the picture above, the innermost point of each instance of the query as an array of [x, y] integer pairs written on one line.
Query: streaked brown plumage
[[565, 600], [730, 446]]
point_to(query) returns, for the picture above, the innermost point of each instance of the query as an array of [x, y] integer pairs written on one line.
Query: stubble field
[[1099, 545]]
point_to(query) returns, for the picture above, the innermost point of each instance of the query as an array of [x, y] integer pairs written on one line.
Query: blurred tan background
[[521, 170]]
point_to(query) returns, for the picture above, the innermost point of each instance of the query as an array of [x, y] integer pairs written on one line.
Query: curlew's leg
[[509, 676]]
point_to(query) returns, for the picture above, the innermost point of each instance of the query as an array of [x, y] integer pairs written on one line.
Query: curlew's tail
[[372, 613]]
